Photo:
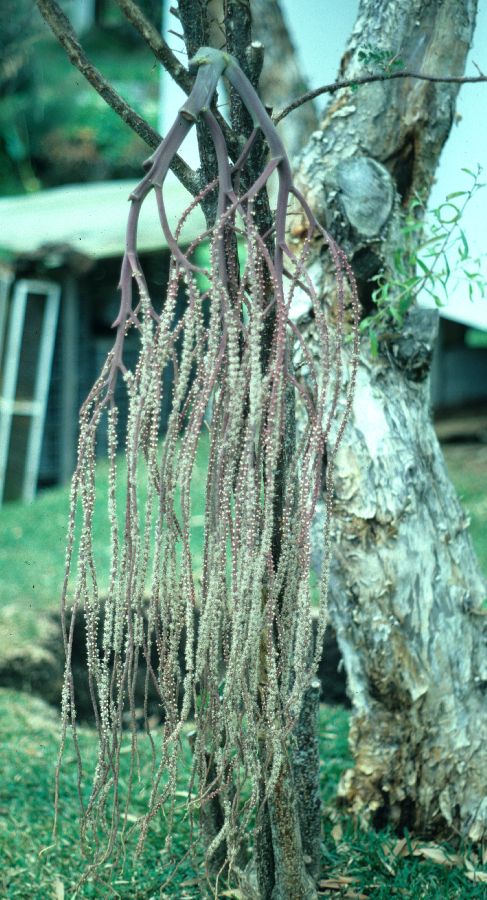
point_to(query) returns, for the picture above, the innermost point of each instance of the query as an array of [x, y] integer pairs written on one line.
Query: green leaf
[[439, 302], [374, 343], [405, 304], [365, 323], [422, 265], [447, 267], [463, 249]]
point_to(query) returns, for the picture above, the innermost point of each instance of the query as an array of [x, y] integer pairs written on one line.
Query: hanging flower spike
[[233, 647]]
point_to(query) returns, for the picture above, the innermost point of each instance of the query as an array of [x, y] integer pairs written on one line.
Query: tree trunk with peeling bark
[[406, 591]]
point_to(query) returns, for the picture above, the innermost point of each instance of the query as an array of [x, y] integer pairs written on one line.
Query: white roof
[[472, 313], [89, 219]]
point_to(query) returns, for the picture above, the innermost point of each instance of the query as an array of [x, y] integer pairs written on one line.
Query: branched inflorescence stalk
[[231, 642]]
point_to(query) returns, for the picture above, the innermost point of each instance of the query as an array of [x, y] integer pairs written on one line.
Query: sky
[[320, 32]]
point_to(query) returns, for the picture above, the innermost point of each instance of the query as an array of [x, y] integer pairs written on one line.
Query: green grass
[[36, 866], [32, 552], [467, 465], [35, 863]]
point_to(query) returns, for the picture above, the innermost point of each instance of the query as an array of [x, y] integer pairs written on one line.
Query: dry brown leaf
[[438, 855], [478, 877], [58, 889], [390, 869], [401, 849], [336, 883], [337, 833]]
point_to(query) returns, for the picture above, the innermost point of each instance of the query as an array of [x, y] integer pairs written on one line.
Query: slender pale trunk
[[406, 591]]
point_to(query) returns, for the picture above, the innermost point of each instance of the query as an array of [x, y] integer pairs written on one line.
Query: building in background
[[60, 253]]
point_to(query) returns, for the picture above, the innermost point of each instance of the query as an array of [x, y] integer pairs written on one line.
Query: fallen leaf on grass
[[336, 883], [337, 833], [473, 874], [388, 854], [402, 848], [438, 855], [431, 852], [58, 890], [479, 877]]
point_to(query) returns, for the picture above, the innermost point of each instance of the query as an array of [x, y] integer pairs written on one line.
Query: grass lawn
[[32, 554], [37, 867], [467, 465]]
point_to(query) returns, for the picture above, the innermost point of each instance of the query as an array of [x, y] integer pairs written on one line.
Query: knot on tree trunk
[[366, 194], [412, 348]]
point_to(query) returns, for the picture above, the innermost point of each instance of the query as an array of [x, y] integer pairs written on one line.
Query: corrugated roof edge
[[88, 220]]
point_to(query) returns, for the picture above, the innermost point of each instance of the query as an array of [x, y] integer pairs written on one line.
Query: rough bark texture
[[306, 772], [406, 592]]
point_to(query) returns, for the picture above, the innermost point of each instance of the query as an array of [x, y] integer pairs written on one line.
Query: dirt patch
[[39, 671]]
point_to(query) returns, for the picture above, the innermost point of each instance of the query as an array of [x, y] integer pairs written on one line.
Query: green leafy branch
[[432, 254], [384, 60]]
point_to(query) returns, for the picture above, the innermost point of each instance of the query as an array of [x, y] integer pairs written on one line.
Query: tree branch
[[369, 79], [173, 67], [63, 31], [157, 44]]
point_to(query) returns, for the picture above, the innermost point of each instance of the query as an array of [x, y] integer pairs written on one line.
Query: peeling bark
[[406, 601], [406, 591]]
